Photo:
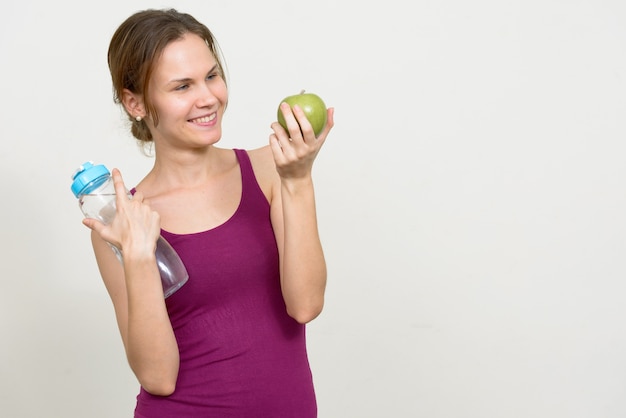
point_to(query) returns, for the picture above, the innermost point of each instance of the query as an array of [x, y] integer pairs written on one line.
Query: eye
[[182, 87], [213, 73]]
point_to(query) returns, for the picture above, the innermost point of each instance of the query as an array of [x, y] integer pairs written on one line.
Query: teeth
[[205, 119]]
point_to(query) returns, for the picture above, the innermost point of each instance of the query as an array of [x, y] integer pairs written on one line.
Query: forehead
[[184, 56]]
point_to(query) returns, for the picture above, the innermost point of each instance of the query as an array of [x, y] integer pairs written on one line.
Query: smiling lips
[[204, 119]]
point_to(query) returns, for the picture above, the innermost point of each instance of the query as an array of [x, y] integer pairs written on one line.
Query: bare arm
[[136, 291], [294, 217]]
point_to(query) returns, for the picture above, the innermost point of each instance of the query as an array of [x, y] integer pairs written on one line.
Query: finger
[[93, 224], [330, 122], [278, 130], [304, 126], [120, 188], [143, 200], [330, 119], [277, 149], [293, 127], [282, 148], [138, 196], [275, 143]]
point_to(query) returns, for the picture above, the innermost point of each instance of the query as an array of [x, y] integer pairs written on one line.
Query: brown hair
[[138, 43]]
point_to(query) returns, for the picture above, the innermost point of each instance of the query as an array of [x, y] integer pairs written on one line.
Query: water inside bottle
[[98, 206]]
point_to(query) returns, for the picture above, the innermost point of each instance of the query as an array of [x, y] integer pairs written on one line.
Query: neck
[[184, 169]]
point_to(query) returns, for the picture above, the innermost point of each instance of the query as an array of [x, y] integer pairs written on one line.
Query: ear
[[133, 103]]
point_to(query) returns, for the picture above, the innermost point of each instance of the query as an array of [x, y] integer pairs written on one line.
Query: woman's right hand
[[135, 228]]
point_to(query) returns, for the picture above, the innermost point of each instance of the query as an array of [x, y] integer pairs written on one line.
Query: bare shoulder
[[262, 158], [264, 168]]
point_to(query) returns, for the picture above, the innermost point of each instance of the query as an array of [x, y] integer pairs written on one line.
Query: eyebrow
[[187, 79]]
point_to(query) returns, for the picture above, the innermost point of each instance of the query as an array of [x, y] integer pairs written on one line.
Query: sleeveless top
[[241, 355]]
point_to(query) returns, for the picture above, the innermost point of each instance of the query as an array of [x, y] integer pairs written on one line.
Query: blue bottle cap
[[88, 177]]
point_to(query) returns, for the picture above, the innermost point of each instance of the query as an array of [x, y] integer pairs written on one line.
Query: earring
[[138, 118]]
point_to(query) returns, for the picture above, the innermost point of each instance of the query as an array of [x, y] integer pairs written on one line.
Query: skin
[[195, 186]]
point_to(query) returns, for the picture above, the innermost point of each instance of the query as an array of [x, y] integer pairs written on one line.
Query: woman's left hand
[[295, 149]]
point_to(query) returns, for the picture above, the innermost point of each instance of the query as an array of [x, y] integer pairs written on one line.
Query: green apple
[[313, 107]]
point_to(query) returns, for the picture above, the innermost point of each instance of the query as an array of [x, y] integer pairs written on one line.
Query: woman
[[231, 341]]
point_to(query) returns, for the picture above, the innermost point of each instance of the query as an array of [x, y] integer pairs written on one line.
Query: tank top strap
[[250, 188], [245, 165]]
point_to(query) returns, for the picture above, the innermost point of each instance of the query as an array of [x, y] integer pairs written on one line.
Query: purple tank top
[[241, 355]]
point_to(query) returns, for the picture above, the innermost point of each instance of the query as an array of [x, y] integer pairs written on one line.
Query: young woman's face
[[188, 93]]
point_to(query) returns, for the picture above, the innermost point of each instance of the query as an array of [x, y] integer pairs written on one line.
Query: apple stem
[[301, 91]]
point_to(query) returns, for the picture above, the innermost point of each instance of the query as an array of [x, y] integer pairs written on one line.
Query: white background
[[471, 199]]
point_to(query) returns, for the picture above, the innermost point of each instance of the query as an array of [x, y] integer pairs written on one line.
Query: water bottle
[[93, 186]]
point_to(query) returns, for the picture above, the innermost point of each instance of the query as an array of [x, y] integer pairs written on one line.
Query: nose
[[206, 98]]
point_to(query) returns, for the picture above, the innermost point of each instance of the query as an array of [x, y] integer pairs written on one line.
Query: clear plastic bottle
[[93, 186]]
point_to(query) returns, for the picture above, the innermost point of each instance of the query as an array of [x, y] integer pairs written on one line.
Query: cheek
[[173, 109], [221, 92]]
